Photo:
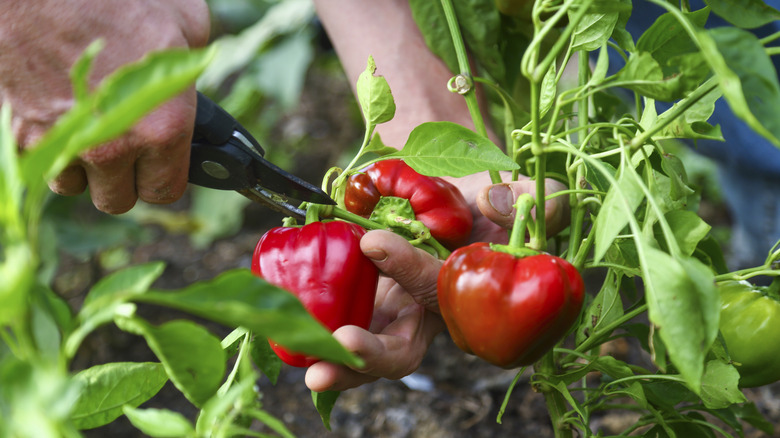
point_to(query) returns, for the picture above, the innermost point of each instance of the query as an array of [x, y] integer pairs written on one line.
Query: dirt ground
[[451, 395]]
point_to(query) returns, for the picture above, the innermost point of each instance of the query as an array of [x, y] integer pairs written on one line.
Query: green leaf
[[688, 229], [197, 376], [643, 74], [692, 123], [324, 402], [107, 295], [480, 23], [79, 73], [747, 14], [685, 306], [621, 201], [666, 39], [119, 102], [719, 385], [377, 146], [622, 37], [689, 425], [748, 413], [107, 388], [594, 30], [711, 254], [215, 411], [449, 149], [272, 423], [159, 423], [11, 187], [374, 96], [747, 77], [480, 26], [238, 298], [605, 308], [430, 19], [265, 359]]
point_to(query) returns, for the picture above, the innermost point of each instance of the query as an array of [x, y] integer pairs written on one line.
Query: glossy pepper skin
[[320, 263], [505, 309], [750, 325], [436, 203]]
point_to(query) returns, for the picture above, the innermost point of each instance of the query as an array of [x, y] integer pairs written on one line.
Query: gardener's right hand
[[39, 42]]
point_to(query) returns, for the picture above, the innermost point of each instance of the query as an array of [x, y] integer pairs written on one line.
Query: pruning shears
[[226, 156]]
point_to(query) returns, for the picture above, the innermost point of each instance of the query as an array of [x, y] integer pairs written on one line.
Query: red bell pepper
[[505, 309], [322, 264], [436, 203]]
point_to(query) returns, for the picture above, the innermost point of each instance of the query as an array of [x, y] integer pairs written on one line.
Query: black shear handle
[[218, 159]]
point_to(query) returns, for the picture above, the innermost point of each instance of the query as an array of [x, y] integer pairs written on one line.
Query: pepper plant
[[633, 212]]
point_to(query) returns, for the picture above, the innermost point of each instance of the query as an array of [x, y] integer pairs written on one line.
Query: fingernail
[[501, 199], [376, 255]]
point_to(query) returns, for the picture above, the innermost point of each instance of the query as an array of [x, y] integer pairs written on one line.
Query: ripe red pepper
[[321, 263], [436, 203], [508, 310]]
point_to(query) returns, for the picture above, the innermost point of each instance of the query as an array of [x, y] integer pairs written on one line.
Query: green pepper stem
[[523, 206], [774, 288], [337, 212]]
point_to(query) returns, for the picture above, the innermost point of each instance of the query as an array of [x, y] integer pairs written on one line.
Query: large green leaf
[[107, 295], [193, 358], [107, 388], [449, 149], [238, 298], [621, 201], [684, 304], [747, 77], [744, 13], [719, 386]]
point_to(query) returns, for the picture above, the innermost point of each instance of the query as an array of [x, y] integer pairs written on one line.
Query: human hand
[[405, 319], [493, 205], [39, 42]]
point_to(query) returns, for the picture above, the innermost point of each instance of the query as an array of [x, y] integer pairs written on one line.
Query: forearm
[[418, 79]]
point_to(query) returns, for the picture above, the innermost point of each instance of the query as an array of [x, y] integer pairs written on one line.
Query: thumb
[[413, 269], [496, 202]]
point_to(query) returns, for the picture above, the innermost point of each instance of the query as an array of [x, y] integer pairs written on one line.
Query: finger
[[72, 181], [496, 202], [165, 135], [413, 269], [110, 173], [393, 354]]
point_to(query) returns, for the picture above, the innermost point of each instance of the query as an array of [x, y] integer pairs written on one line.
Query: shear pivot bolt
[[215, 169]]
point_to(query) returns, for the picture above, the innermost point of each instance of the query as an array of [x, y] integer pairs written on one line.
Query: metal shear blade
[[225, 156]]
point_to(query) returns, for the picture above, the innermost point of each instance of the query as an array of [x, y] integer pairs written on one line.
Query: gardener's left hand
[[405, 320]]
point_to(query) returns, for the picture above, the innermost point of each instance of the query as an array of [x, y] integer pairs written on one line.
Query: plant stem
[[672, 113], [556, 404], [523, 206], [595, 338], [577, 209], [465, 71]]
